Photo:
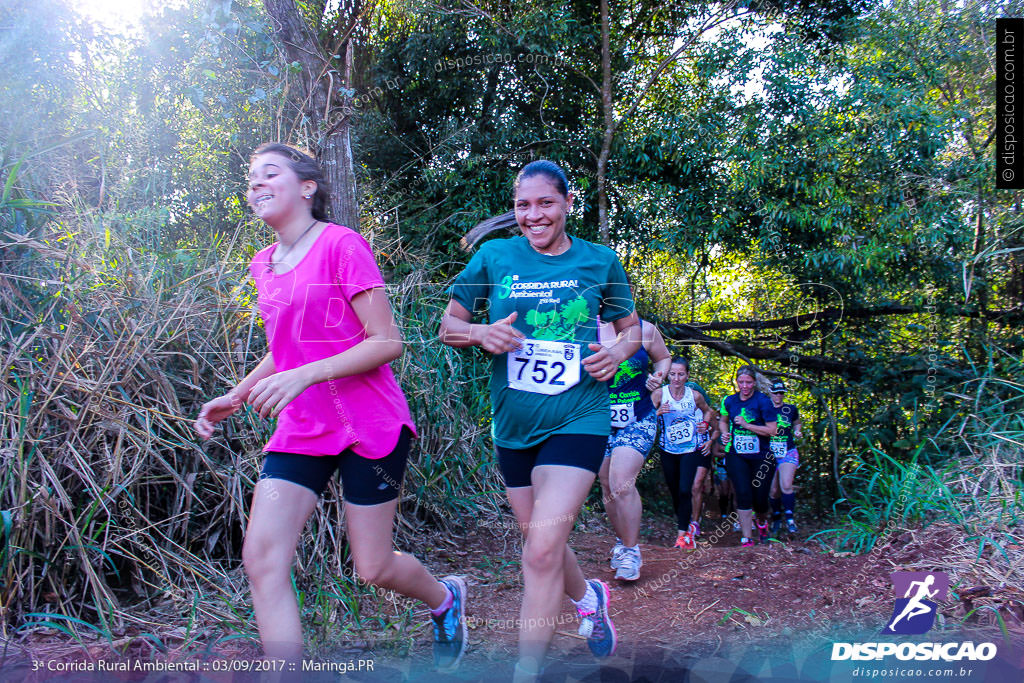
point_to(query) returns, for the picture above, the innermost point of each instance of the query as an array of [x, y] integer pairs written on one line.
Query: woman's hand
[[215, 411], [663, 408], [725, 437], [270, 395], [705, 447], [654, 380], [501, 337], [740, 422], [603, 364]]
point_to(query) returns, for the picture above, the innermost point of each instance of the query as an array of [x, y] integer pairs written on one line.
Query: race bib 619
[[745, 444]]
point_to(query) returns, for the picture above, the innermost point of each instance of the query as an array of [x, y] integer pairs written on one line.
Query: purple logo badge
[[917, 595]]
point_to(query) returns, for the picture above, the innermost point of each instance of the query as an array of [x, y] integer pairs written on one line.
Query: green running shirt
[[558, 299]]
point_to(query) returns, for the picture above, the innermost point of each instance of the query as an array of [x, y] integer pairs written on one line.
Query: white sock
[[588, 603]]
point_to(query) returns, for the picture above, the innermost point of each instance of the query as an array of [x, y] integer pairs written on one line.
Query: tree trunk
[[321, 99], [979, 277], [609, 126]]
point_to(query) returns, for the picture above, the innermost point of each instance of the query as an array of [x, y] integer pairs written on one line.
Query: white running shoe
[[629, 564], [617, 554]]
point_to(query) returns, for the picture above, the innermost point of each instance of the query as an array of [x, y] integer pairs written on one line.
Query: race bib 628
[[622, 414]]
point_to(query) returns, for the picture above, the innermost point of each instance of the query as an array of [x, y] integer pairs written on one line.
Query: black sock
[[788, 502]]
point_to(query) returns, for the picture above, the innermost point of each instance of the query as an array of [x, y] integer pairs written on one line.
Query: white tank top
[[679, 425]]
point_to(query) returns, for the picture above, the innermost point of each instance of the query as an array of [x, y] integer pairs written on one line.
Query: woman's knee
[[543, 557], [623, 472], [262, 557], [744, 499], [622, 485], [374, 571]]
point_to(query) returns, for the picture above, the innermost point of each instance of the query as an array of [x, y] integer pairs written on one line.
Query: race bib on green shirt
[[544, 367]]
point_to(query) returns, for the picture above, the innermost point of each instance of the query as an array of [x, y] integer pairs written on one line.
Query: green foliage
[[968, 470]]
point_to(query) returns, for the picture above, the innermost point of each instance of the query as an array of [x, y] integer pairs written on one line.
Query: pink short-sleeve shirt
[[308, 316]]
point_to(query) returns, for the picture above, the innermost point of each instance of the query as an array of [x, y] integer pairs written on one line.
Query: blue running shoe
[[597, 626], [450, 633], [790, 525]]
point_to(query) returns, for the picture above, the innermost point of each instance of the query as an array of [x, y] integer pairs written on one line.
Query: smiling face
[[275, 193], [540, 212], [746, 384], [677, 377]]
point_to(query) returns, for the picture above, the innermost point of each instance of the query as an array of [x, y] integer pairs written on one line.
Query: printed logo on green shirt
[[511, 286], [748, 417], [627, 371], [559, 323], [783, 422], [506, 287]]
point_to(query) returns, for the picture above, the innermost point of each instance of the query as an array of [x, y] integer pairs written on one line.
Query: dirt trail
[[686, 594], [692, 613], [687, 603]]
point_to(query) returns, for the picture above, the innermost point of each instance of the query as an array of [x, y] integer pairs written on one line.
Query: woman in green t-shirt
[[544, 292]]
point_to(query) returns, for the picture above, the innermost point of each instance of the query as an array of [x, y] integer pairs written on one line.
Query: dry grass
[[116, 521]]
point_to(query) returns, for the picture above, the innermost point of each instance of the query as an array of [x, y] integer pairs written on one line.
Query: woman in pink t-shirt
[[327, 381]]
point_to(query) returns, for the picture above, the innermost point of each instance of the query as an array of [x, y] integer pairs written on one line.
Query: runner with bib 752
[[544, 292]]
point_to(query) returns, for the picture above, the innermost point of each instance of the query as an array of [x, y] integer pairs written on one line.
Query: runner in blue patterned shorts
[[633, 430], [787, 460]]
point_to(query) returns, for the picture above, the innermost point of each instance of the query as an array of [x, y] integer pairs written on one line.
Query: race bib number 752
[[544, 367]]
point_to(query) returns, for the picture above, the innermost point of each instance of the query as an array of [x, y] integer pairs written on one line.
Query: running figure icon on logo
[[917, 595]]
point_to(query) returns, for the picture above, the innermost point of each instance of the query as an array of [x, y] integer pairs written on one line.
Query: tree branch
[[689, 333], [1009, 315]]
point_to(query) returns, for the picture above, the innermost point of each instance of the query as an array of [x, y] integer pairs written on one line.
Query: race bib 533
[[680, 432]]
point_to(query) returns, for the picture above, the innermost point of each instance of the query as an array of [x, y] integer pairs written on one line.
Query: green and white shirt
[[543, 389]]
